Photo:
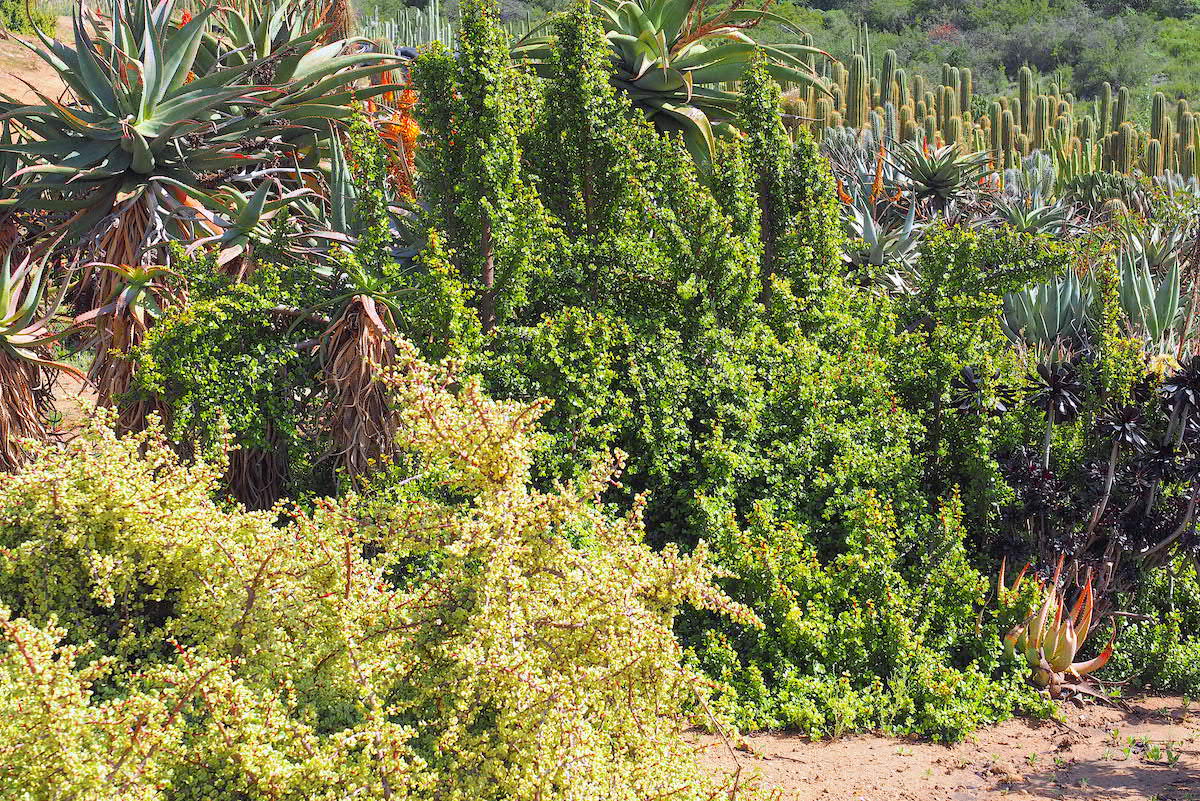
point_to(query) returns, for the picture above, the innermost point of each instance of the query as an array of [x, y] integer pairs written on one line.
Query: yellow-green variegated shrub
[[454, 634]]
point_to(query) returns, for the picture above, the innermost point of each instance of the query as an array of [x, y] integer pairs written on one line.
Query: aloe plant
[[27, 314], [1154, 246], [163, 107], [674, 58], [877, 241], [242, 219], [941, 174], [1048, 314], [167, 116], [1033, 218], [1053, 634], [1153, 307]]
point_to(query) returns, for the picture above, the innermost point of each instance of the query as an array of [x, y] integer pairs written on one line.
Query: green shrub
[[18, 16], [889, 633], [1161, 651], [462, 635], [225, 363]]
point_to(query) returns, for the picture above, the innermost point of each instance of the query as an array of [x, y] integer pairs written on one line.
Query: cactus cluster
[[1081, 137], [412, 26]]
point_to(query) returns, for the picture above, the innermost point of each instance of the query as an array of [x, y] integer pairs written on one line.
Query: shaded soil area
[[1148, 750], [73, 402]]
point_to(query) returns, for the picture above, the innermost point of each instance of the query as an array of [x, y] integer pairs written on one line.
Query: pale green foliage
[[456, 635]]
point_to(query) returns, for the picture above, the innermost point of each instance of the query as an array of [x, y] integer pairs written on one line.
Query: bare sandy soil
[[73, 400], [16, 62], [1148, 751]]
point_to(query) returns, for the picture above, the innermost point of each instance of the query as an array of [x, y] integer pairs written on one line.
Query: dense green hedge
[[18, 16]]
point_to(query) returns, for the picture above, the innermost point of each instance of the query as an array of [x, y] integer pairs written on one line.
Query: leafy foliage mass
[[500, 437], [470, 630], [16, 16]]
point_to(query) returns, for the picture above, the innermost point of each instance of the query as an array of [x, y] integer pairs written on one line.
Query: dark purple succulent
[[1181, 389], [1124, 425], [1056, 389], [967, 395], [1159, 462]]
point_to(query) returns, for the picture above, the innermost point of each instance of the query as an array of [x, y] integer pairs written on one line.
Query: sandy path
[[17, 62], [73, 400], [1149, 752]]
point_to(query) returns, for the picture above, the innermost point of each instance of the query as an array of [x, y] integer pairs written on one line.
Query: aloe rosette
[[1053, 634], [28, 308], [159, 111], [673, 58], [203, 128]]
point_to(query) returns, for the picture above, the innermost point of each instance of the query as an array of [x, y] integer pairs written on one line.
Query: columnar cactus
[[1025, 94], [1158, 116], [1008, 139], [996, 134], [838, 75], [953, 132], [858, 99], [1153, 164], [950, 115], [1041, 122], [898, 108], [824, 112], [966, 88], [1087, 128], [887, 79], [1121, 113], [1125, 142], [891, 124]]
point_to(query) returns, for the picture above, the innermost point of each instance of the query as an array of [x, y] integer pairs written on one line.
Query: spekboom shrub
[[450, 633]]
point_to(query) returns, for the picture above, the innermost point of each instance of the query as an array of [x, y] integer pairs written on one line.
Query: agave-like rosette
[[1052, 635], [675, 58], [28, 312]]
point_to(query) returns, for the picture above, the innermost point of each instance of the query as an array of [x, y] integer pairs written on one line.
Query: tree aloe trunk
[[487, 300]]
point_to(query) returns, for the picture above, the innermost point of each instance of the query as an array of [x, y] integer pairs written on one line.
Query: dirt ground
[[1147, 751], [73, 400], [17, 62]]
